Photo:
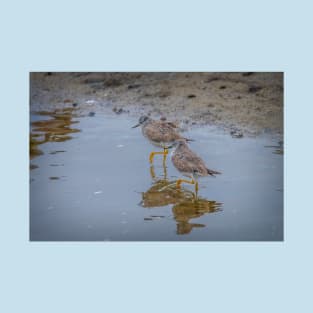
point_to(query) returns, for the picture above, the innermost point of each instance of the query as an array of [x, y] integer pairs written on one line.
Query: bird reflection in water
[[186, 204], [192, 208], [56, 129]]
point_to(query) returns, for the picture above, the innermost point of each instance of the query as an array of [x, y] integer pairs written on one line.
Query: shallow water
[[90, 180]]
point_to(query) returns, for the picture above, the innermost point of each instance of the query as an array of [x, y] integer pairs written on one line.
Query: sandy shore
[[248, 103]]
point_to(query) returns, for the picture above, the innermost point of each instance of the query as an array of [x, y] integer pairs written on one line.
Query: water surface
[[90, 180]]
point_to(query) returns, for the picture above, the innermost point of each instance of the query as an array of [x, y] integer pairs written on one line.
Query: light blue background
[[150, 36]]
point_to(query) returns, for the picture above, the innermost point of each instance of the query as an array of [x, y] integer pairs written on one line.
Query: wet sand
[[247, 103]]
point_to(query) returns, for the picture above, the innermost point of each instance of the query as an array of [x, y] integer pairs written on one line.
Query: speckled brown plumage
[[160, 133], [188, 163]]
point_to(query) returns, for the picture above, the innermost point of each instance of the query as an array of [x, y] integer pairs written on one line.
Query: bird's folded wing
[[162, 132]]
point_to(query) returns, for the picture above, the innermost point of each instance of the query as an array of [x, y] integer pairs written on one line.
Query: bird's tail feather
[[189, 139], [212, 173]]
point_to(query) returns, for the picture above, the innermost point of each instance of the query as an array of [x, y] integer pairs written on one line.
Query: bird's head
[[142, 120]]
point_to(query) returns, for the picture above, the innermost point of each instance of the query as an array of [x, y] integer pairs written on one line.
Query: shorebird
[[189, 164], [160, 133]]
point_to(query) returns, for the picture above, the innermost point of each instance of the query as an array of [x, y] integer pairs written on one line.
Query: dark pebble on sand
[[212, 79], [222, 87], [91, 114], [133, 86], [254, 89], [163, 94], [191, 96], [236, 133], [118, 111]]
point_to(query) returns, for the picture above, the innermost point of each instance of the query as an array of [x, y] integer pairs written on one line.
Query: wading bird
[[189, 164], [160, 133]]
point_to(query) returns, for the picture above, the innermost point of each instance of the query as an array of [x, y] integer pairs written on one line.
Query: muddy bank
[[247, 103]]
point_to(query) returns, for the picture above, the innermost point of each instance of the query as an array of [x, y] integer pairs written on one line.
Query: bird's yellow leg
[[165, 153], [196, 188], [152, 154], [179, 181], [164, 171], [152, 172]]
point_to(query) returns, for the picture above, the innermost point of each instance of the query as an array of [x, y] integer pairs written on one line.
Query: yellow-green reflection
[[57, 129], [190, 209], [186, 204], [163, 192]]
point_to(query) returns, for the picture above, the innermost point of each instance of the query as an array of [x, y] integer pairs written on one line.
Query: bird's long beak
[[136, 125]]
